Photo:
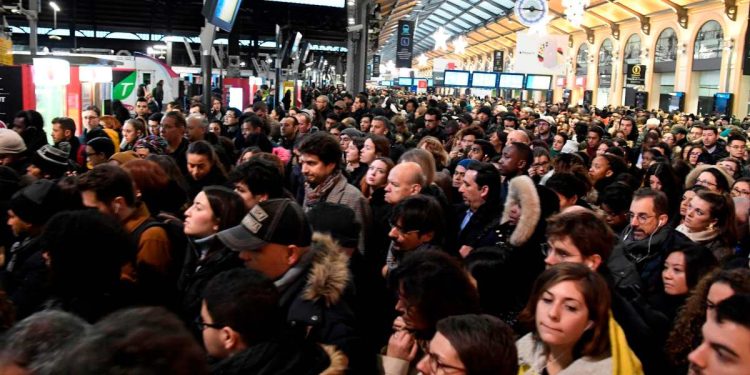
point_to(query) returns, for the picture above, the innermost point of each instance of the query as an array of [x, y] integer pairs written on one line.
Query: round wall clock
[[531, 12]]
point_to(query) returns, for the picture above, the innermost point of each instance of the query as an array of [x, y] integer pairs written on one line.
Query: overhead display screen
[[405, 81], [458, 78], [538, 82], [386, 83], [484, 80], [511, 81], [221, 13], [323, 3]]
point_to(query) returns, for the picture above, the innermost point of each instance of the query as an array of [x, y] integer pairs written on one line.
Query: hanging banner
[[497, 63], [636, 75], [11, 93], [376, 65], [540, 54], [405, 39], [441, 65]]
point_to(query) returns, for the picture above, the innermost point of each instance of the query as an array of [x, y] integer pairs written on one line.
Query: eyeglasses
[[741, 193], [704, 183], [401, 230], [203, 325], [560, 255], [436, 365], [642, 218]]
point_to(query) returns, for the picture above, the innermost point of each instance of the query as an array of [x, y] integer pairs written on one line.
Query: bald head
[[519, 136], [404, 180]]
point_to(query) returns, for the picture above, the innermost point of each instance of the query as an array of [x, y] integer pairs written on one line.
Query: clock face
[[531, 12]]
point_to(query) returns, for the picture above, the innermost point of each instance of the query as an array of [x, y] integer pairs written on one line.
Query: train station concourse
[[375, 187]]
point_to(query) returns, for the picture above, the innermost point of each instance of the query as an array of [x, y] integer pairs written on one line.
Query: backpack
[[174, 229], [155, 288]]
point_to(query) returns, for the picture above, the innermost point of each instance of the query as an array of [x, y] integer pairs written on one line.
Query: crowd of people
[[378, 233]]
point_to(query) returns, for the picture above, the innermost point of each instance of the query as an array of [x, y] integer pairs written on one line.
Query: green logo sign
[[124, 87]]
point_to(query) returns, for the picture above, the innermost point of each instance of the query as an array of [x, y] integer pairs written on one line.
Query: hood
[[329, 272], [521, 190], [338, 361]]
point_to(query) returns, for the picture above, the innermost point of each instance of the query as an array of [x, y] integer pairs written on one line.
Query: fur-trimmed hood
[[693, 175], [329, 272], [339, 361], [521, 191]]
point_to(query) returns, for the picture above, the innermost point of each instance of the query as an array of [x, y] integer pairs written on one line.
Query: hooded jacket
[[521, 243], [312, 293]]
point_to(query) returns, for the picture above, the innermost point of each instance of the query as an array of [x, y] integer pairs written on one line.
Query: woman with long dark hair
[[214, 209]]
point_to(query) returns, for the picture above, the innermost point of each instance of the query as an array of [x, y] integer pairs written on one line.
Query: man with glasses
[[432, 119], [649, 235], [231, 123], [543, 132], [90, 116], [736, 144], [242, 327], [416, 224]]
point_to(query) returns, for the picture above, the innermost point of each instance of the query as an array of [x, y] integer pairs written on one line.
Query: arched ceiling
[[489, 25]]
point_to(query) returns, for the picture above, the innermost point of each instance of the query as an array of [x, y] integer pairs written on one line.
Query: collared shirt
[[467, 218]]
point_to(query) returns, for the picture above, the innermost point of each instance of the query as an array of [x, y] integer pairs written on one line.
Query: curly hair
[[686, 334]]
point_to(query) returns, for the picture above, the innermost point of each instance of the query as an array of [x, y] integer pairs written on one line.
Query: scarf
[[314, 195], [698, 237]]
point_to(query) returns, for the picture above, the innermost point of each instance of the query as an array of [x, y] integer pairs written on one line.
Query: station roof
[[183, 18], [489, 25]]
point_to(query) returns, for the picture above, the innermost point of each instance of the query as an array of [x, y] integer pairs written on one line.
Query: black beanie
[[337, 220], [36, 203]]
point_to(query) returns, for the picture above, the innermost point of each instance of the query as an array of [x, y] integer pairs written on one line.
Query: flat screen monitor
[[221, 13], [538, 82], [485, 80], [511, 81], [420, 81], [456, 78], [386, 83], [322, 3], [405, 81], [723, 103], [430, 82], [676, 101]]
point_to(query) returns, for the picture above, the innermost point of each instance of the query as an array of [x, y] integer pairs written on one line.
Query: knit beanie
[[11, 142], [337, 220], [52, 160], [36, 203]]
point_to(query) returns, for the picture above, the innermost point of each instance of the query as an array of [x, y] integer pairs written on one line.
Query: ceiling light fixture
[[459, 45], [574, 10], [441, 39]]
